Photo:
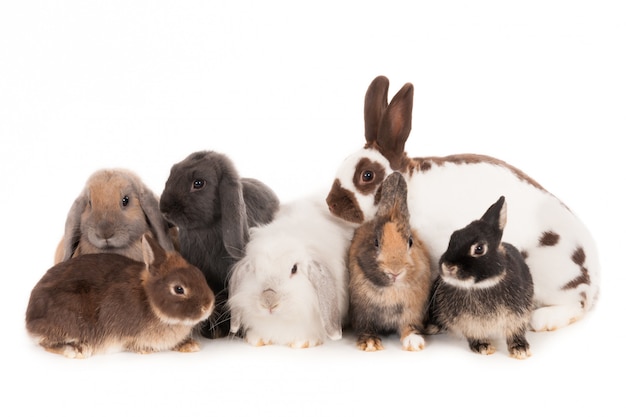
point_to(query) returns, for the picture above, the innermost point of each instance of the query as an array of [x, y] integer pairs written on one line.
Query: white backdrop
[[279, 86]]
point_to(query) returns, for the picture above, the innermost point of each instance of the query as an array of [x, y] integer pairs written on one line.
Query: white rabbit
[[445, 193], [291, 287]]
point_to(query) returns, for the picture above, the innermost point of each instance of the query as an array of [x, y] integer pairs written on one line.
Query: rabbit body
[[389, 274], [99, 303], [558, 248], [291, 287], [110, 215], [484, 289], [213, 208]]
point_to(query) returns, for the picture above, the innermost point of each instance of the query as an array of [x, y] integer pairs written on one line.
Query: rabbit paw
[[413, 342], [303, 344], [547, 319], [188, 345], [370, 343], [484, 347], [257, 341]]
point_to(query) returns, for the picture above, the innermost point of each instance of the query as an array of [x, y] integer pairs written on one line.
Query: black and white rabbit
[[559, 250], [389, 274], [213, 209], [484, 289]]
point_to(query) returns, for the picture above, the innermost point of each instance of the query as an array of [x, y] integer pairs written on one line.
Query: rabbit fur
[[112, 212], [484, 289], [558, 248], [105, 302], [291, 287], [389, 274], [213, 208]]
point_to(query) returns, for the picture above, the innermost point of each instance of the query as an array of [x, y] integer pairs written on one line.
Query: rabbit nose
[[269, 299], [447, 269], [105, 230]]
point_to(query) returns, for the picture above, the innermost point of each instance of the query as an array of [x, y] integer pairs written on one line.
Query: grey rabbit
[[213, 209], [484, 289]]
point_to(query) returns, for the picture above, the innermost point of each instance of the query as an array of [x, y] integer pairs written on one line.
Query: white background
[[279, 86]]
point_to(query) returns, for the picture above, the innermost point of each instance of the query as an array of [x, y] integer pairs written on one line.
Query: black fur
[[470, 310], [213, 209]]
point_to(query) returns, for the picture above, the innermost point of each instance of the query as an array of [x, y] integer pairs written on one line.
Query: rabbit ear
[[71, 236], [395, 126], [239, 272], [321, 278], [375, 106], [496, 214], [393, 201], [150, 206], [153, 254], [234, 217]]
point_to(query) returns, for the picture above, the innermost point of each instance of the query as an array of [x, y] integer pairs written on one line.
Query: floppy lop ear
[[240, 271], [320, 276], [158, 225], [71, 237], [234, 216]]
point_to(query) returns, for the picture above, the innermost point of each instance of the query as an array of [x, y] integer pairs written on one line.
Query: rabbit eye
[[198, 184], [294, 269], [178, 289], [478, 249], [410, 242], [125, 201], [367, 176], [376, 242]]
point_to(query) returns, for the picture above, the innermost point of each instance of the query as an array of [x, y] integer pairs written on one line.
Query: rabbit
[[558, 248], [213, 208], [390, 277], [113, 211], [99, 303], [484, 289], [291, 287]]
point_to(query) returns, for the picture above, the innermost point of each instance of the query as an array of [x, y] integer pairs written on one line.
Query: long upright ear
[[71, 237], [234, 216], [153, 253], [320, 276], [395, 126], [496, 214], [375, 105], [158, 225], [393, 193]]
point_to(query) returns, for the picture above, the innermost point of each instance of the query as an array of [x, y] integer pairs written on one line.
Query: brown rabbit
[[105, 302], [389, 274], [110, 215]]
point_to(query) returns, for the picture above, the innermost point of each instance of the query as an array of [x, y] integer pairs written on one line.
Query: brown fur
[[99, 302], [389, 284], [98, 221]]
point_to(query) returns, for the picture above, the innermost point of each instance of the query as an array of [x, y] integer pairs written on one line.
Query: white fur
[[447, 197], [305, 234]]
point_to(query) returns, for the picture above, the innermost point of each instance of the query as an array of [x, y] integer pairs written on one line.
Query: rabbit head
[[353, 195], [110, 215], [203, 190], [475, 256]]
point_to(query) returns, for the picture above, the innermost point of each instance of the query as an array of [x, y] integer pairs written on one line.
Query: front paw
[[369, 343], [484, 347], [304, 344], [413, 342], [189, 345]]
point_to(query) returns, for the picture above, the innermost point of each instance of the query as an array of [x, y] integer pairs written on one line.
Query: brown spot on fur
[[343, 203], [549, 238], [425, 163], [367, 176], [578, 257], [524, 254]]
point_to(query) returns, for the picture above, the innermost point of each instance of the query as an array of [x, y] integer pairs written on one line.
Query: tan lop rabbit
[[112, 212]]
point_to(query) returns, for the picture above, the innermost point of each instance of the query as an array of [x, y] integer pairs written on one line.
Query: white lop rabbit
[[444, 193], [291, 287]]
